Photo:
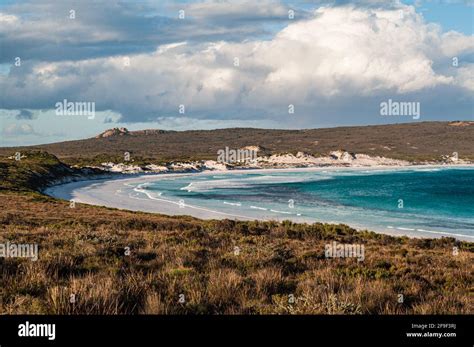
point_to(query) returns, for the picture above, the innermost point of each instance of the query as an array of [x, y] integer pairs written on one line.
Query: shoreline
[[114, 175], [111, 185]]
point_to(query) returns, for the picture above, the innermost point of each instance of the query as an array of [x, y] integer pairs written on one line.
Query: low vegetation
[[97, 260]]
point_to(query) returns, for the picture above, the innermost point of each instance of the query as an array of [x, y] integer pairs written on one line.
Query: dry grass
[[82, 252]]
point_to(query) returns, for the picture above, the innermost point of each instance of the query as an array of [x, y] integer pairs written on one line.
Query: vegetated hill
[[35, 170], [31, 171], [411, 141]]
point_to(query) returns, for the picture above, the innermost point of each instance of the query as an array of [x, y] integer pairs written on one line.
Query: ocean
[[431, 200]]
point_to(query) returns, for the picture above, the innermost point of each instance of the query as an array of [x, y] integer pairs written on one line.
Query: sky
[[180, 65]]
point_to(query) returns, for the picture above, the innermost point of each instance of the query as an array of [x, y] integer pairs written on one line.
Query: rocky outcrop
[[460, 124], [113, 132], [342, 155], [125, 132]]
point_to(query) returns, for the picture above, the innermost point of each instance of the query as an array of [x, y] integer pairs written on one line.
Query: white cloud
[[454, 43], [341, 54], [18, 129], [8, 20], [346, 50]]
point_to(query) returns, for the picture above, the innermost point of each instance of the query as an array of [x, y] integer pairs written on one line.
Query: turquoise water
[[432, 200]]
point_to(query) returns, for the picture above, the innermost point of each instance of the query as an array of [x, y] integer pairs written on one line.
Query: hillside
[[35, 170], [427, 141]]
